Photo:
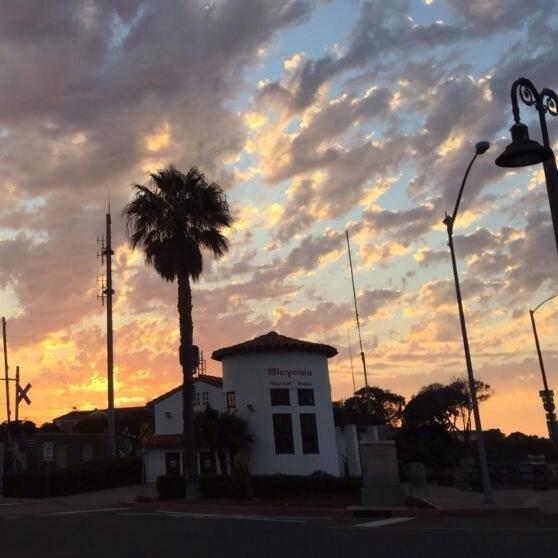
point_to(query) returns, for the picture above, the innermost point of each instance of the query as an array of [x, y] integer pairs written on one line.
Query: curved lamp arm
[[528, 94], [480, 148], [544, 302]]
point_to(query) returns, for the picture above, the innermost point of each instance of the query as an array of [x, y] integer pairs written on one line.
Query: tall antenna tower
[[356, 311], [107, 291], [351, 357]]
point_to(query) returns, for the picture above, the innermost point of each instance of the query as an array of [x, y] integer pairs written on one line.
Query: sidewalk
[[446, 501], [450, 498], [96, 499]]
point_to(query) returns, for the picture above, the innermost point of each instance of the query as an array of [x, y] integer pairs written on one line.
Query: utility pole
[[107, 291], [17, 394], [356, 311], [6, 368], [547, 395]]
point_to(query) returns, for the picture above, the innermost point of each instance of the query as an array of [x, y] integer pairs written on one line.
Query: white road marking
[[384, 522], [74, 512], [12, 504], [221, 516]]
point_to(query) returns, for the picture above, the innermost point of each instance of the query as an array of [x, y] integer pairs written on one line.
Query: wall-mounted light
[[250, 407], [168, 414]]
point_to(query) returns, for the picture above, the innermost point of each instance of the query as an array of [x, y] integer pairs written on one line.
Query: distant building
[[70, 450], [128, 419]]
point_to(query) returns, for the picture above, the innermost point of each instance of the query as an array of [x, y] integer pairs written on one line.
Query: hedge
[[74, 481], [267, 487]]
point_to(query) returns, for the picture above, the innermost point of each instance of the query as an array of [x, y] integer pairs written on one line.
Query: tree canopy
[[371, 405], [174, 218]]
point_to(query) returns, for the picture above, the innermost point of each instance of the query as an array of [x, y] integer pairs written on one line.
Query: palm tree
[[223, 433], [173, 219]]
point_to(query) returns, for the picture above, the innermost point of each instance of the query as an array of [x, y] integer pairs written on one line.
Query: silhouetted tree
[[19, 427], [433, 417], [49, 427], [464, 405], [371, 405], [434, 405], [222, 433], [173, 219]]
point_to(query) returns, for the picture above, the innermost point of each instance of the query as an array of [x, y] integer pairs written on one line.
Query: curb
[[238, 509], [320, 512], [439, 512]]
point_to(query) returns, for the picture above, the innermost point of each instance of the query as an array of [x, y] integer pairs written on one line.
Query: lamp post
[[449, 221], [547, 395], [522, 151]]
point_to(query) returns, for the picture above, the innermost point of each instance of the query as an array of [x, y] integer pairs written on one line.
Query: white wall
[[168, 412], [154, 464], [250, 378]]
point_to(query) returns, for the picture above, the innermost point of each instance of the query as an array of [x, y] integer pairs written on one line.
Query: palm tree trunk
[[186, 360]]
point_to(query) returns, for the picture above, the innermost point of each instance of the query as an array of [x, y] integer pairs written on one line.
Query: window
[[283, 433], [231, 399], [280, 397], [196, 398], [309, 433], [305, 397], [172, 463], [205, 398]]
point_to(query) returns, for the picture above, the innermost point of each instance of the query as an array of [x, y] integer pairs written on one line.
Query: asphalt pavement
[[122, 531]]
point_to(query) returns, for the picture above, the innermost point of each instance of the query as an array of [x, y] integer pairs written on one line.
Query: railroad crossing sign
[[21, 394], [48, 452], [145, 432]]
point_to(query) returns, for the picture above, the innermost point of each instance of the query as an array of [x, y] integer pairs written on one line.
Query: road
[[126, 531]]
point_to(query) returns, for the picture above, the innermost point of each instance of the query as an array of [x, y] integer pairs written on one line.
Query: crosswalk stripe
[[384, 522], [75, 512], [220, 516]]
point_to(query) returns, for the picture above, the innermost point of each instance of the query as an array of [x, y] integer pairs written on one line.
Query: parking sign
[[48, 452]]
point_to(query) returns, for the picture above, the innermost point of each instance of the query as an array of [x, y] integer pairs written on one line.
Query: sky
[[314, 116]]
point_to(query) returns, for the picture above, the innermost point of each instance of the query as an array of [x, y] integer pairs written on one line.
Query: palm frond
[[174, 218]]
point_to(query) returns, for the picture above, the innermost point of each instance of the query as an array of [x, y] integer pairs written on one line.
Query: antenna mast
[[107, 292], [351, 357], [356, 311]]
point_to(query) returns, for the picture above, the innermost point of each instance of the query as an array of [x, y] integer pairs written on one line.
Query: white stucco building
[[164, 450], [280, 387]]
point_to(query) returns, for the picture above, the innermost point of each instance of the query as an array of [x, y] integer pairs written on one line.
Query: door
[[207, 463], [172, 460], [61, 455]]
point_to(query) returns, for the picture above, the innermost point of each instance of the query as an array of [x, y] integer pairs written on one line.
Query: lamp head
[[522, 151], [481, 147]]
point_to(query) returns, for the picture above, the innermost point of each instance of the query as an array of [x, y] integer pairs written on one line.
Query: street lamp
[[522, 151], [546, 394], [449, 221]]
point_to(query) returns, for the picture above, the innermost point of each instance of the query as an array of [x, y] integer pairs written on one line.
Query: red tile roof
[[273, 342], [165, 441], [216, 381]]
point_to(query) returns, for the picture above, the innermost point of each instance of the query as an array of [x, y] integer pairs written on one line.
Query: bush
[[268, 487], [64, 482], [170, 487], [281, 486]]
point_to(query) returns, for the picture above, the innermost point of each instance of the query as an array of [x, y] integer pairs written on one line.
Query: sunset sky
[[315, 116]]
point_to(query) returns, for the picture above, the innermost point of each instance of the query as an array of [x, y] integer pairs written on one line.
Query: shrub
[[64, 482], [170, 487], [281, 486], [269, 487]]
